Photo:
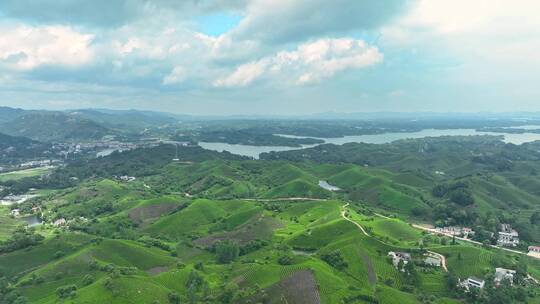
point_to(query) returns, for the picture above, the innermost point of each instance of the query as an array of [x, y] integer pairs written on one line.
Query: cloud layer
[[343, 55], [309, 63]]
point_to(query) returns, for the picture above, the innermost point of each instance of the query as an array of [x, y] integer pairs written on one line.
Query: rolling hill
[[55, 126]]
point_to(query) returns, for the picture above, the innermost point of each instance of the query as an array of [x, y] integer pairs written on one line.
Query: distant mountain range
[[91, 124], [84, 124]]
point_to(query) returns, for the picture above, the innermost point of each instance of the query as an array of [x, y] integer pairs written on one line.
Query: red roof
[[534, 247]]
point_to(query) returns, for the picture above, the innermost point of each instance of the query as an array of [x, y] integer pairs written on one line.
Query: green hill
[[55, 126]]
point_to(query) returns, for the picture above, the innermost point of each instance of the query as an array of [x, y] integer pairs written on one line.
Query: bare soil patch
[[146, 213], [157, 270], [372, 276], [259, 227]]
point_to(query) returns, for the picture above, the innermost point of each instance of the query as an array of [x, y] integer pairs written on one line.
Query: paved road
[[433, 231]]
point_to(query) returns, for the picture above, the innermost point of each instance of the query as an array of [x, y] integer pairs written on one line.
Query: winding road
[[344, 210]]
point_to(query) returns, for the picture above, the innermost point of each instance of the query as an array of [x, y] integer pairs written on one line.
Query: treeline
[[457, 192], [21, 238], [138, 162], [255, 137]]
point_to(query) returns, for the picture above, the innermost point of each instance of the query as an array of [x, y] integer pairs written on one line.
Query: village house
[[59, 222], [534, 251], [36, 209], [455, 231], [399, 256], [433, 260], [508, 236], [126, 178], [472, 282], [15, 212], [502, 274]]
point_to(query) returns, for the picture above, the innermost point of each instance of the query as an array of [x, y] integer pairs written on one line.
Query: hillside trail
[[442, 257], [285, 199], [343, 211]]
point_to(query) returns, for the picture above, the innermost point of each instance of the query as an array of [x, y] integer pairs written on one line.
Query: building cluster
[[39, 163], [501, 275], [15, 199], [433, 260], [465, 232], [429, 259], [125, 178], [472, 282], [508, 237], [61, 222], [399, 257]]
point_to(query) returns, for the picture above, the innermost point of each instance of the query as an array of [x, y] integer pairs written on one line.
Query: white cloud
[[496, 30], [309, 63], [25, 47], [177, 75], [243, 75], [291, 20]]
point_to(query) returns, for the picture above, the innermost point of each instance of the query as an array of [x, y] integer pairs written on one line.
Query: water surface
[[255, 151]]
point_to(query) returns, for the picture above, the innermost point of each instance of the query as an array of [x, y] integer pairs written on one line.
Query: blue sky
[[271, 57]]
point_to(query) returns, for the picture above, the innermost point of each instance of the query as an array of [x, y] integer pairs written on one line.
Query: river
[[255, 151]]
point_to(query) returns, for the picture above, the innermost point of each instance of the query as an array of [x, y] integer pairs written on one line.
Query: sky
[[279, 57]]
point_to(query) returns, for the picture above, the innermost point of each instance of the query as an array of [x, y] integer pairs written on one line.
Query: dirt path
[[442, 257], [343, 211], [443, 260], [285, 199]]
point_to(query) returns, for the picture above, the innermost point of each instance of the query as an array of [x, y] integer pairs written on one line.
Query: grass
[[16, 175], [127, 253], [7, 223], [21, 261], [395, 230], [199, 217]]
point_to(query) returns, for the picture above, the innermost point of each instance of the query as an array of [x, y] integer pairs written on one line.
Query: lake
[[31, 220], [327, 186], [255, 151]]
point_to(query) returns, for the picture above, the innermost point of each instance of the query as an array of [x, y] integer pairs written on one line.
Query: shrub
[[335, 260], [66, 291], [88, 279], [285, 260]]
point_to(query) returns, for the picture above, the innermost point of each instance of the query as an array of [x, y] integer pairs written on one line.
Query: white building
[[472, 282], [433, 260], [508, 236], [399, 256], [534, 251], [15, 212], [59, 222], [503, 274], [455, 231]]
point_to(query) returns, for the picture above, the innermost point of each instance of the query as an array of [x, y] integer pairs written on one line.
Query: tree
[[411, 274], [226, 251], [174, 298], [334, 259], [88, 279], [521, 270], [66, 291], [285, 260], [535, 218]]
